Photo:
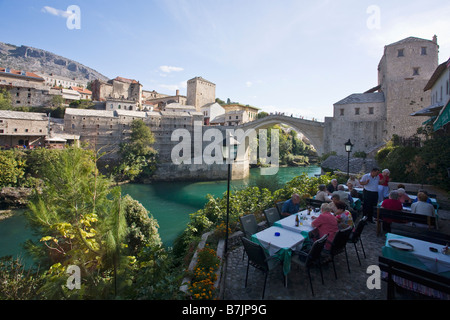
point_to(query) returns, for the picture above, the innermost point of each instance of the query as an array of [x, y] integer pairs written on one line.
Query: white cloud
[[169, 69], [248, 84], [56, 12]]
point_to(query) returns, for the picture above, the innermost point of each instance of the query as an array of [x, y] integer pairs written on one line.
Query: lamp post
[[229, 153], [348, 149]]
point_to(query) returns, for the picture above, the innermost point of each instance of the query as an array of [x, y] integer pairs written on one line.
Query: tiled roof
[[125, 80], [436, 75], [362, 98], [409, 39], [81, 90], [21, 73]]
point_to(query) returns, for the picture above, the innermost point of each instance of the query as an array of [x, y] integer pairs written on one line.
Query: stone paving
[[348, 286]]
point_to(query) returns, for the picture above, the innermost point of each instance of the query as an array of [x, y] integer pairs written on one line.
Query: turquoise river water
[[170, 203]]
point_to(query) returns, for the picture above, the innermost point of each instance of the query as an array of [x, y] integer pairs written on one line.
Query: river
[[170, 203]]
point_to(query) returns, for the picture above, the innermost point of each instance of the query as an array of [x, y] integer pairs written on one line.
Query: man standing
[[370, 182]]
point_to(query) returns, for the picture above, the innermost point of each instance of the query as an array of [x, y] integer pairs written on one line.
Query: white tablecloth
[[272, 243], [305, 220]]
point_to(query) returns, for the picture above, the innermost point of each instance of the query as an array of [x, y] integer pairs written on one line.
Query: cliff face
[[38, 60]]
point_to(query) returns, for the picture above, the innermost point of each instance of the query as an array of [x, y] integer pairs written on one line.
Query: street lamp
[[229, 153], [348, 149]]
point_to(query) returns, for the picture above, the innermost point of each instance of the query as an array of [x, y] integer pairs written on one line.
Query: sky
[[293, 56]]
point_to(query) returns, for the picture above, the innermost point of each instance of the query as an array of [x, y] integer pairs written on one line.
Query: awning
[[432, 110], [443, 118]]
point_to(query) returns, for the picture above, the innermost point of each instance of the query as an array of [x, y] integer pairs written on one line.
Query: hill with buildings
[[42, 61]]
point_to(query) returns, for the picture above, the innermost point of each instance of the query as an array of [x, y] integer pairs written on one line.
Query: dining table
[[279, 242], [420, 254], [304, 226]]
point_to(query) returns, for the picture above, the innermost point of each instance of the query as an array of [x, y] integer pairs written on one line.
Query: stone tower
[[403, 72], [200, 92]]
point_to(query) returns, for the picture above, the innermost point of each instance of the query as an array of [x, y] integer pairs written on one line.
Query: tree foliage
[[138, 158]]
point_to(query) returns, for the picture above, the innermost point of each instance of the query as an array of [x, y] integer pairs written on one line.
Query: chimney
[[435, 39], [177, 93]]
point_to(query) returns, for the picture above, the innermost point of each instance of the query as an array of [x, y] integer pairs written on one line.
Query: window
[[1, 131], [15, 129], [370, 110], [423, 51], [400, 53], [26, 130], [415, 71], [341, 112], [356, 111]]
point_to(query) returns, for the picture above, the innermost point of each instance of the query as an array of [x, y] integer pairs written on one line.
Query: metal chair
[[339, 245], [355, 236], [311, 258], [249, 227], [313, 202], [279, 206], [257, 259], [272, 215]]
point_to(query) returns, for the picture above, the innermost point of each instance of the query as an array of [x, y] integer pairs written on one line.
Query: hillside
[[38, 60]]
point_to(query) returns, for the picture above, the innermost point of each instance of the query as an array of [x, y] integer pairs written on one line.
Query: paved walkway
[[348, 286]]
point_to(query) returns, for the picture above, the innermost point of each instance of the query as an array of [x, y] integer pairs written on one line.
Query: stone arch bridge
[[313, 130]]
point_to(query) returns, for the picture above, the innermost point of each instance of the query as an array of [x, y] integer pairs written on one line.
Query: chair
[[257, 259], [249, 225], [311, 258], [355, 236], [272, 216], [339, 245], [314, 203], [279, 206]]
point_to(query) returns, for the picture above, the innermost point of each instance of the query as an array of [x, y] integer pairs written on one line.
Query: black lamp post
[[348, 149], [229, 153]]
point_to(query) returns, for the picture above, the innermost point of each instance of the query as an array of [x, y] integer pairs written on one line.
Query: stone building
[[236, 113], [370, 119], [117, 89], [200, 92], [22, 128], [53, 80]]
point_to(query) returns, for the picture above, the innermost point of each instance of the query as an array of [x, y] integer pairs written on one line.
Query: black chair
[[313, 202], [355, 236], [279, 206], [339, 245], [311, 258], [258, 259], [249, 227], [272, 215]]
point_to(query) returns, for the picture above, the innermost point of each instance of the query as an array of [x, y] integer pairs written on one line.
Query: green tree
[[138, 158], [5, 99], [12, 168], [82, 222]]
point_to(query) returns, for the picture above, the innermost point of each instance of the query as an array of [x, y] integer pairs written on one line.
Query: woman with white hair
[[383, 187]]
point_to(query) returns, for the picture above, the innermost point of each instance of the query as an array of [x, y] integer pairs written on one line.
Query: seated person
[[424, 191], [354, 182], [392, 204], [334, 198], [344, 196], [353, 192], [422, 206], [291, 206], [402, 196], [332, 187], [322, 194], [325, 223], [343, 216]]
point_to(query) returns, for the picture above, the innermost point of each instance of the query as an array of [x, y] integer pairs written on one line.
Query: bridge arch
[[312, 130]]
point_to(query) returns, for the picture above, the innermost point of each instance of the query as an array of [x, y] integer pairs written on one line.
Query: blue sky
[[292, 56]]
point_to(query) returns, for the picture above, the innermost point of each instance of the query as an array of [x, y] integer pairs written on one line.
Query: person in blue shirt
[[291, 206]]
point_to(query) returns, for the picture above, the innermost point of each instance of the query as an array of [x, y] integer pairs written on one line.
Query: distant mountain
[[38, 60]]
